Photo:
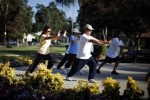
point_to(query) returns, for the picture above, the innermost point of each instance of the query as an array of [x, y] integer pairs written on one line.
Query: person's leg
[[116, 65], [101, 65], [70, 60], [38, 58], [50, 61], [63, 60], [77, 65], [116, 60], [92, 68]]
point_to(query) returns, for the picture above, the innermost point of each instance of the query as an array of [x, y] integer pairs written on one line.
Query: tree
[[130, 16], [52, 16], [18, 17]]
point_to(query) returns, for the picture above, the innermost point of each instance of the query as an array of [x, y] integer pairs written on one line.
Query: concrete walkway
[[136, 70]]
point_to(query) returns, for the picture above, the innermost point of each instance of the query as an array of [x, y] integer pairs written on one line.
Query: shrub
[[43, 79], [85, 90], [111, 88], [132, 90], [7, 74]]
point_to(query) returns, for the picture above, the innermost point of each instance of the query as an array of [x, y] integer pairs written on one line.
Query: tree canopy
[[15, 18], [130, 16]]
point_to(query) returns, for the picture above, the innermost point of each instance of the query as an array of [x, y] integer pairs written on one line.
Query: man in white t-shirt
[[84, 55], [112, 54]]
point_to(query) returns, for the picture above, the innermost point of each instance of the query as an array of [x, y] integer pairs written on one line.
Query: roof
[[144, 35]]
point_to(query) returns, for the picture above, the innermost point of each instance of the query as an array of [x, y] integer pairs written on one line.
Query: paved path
[[135, 70]]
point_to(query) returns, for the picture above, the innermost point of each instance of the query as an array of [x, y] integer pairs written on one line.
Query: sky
[[70, 12]]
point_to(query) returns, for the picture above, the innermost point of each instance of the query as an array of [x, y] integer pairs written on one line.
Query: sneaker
[[98, 71], [68, 78], [92, 81], [65, 71], [114, 72], [81, 72]]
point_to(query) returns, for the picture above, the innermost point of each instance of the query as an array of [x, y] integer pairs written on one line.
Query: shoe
[[114, 72], [65, 71], [26, 74], [68, 78], [98, 71], [81, 72], [92, 81]]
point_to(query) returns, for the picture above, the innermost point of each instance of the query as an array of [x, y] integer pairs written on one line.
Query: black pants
[[37, 60], [63, 60], [80, 63], [70, 60]]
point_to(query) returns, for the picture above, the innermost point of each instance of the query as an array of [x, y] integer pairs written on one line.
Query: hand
[[58, 34], [64, 34]]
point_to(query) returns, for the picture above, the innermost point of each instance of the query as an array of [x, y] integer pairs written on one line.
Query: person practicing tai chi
[[73, 48], [43, 51], [84, 55], [112, 54]]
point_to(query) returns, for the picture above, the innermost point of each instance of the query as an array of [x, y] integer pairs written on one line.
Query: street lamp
[[5, 39]]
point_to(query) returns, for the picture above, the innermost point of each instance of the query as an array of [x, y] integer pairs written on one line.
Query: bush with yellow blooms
[[132, 90], [7, 74], [43, 79], [111, 88]]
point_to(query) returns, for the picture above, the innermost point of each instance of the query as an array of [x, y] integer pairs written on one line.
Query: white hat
[[89, 27], [75, 30]]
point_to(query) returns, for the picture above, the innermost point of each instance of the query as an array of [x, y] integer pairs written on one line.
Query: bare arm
[[53, 37], [97, 41]]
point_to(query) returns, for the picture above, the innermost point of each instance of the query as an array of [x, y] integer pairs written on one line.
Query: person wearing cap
[[112, 54], [84, 55], [73, 48]]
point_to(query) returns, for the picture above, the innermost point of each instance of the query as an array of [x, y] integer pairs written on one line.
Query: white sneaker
[[68, 78], [81, 72], [65, 71], [92, 81]]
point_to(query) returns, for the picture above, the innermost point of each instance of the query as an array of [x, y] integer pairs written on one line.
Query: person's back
[[114, 48]]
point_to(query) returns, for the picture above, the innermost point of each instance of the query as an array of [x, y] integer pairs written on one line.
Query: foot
[[98, 71], [92, 81], [26, 74], [68, 78], [114, 72]]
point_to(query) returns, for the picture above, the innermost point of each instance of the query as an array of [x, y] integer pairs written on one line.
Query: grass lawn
[[29, 50]]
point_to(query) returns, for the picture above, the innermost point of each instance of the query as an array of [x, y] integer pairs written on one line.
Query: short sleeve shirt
[[113, 50], [84, 50], [73, 47], [44, 45]]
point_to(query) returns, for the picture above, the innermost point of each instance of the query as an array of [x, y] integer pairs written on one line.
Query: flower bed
[[43, 85]]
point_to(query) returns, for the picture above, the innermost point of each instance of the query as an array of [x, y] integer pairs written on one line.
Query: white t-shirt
[[84, 50], [44, 45], [113, 50]]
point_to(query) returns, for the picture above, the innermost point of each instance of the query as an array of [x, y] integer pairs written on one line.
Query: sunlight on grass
[[29, 50]]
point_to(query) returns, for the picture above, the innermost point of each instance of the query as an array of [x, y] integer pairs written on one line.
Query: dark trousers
[[64, 59], [70, 60], [80, 63], [37, 60]]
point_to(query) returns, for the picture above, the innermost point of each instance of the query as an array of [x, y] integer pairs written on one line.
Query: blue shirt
[[73, 47]]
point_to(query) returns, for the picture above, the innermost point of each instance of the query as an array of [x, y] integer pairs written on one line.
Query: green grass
[[29, 50]]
